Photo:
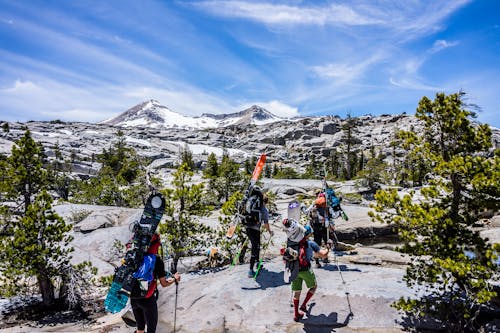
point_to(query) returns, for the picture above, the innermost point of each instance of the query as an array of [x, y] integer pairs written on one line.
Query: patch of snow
[[199, 149], [143, 142]]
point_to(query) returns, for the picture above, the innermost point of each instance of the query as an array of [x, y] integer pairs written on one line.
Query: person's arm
[[167, 282], [268, 228], [319, 252], [323, 253], [265, 220]]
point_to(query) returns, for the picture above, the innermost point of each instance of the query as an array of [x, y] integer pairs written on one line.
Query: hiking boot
[[299, 317], [251, 273]]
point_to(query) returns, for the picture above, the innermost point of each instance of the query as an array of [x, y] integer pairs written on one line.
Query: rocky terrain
[[287, 142], [355, 289]]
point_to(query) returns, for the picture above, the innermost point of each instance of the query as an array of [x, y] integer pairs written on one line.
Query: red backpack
[[304, 264]]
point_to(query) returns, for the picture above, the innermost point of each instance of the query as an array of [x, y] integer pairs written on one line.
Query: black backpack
[[252, 209], [316, 220]]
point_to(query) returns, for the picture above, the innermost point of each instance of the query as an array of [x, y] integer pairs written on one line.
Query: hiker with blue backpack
[[145, 292]]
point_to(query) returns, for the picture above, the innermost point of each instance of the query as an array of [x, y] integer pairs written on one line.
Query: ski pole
[[175, 307], [261, 260], [342, 278]]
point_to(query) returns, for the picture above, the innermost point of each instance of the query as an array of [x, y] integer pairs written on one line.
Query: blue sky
[[91, 60]]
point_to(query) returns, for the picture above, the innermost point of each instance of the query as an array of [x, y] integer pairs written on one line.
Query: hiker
[[253, 230], [145, 308], [307, 248], [317, 222]]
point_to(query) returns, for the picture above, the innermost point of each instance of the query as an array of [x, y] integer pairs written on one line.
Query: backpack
[[333, 200], [296, 252], [316, 221], [320, 201], [252, 209], [144, 276]]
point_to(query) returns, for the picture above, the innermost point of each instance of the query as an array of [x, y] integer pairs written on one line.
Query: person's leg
[[254, 236], [324, 237], [151, 310], [310, 280], [317, 239], [140, 318], [296, 289]]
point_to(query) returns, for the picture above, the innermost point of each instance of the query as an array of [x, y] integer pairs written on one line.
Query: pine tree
[[212, 168], [187, 157], [34, 241], [184, 204], [229, 177], [349, 139], [59, 177], [375, 172], [451, 263], [230, 247], [121, 181]]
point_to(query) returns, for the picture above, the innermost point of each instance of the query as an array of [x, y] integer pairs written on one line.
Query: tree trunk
[[46, 289]]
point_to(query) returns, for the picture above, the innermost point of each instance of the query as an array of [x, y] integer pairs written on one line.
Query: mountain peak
[[152, 113]]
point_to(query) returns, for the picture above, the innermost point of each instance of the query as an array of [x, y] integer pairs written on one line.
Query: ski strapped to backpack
[[242, 206]]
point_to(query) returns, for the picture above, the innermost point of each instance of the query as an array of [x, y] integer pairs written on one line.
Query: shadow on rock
[[323, 323], [266, 279], [269, 279], [343, 268]]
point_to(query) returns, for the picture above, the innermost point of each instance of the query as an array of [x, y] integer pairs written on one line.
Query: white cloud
[[414, 84], [408, 20], [335, 14], [347, 72], [277, 108], [441, 45]]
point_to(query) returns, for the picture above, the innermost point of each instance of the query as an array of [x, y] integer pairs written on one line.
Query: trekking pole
[[262, 259], [175, 307], [341, 277], [335, 258]]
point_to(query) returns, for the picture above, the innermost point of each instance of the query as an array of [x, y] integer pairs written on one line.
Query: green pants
[[308, 277]]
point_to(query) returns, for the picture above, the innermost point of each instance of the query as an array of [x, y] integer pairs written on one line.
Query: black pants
[[254, 236], [145, 313], [319, 234]]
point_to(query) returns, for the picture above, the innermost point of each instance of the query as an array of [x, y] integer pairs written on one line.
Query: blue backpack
[[333, 200], [144, 275]]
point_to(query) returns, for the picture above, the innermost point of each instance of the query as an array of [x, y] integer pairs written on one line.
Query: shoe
[[318, 265], [303, 308], [295, 318], [251, 273], [326, 261]]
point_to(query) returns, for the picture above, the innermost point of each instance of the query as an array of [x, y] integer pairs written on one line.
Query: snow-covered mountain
[[154, 115]]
